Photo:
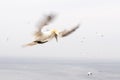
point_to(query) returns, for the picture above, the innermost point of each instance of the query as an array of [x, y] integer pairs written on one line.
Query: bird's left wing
[[45, 21], [65, 33]]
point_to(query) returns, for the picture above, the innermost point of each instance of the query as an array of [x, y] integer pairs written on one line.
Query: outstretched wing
[[30, 44], [65, 33], [46, 20]]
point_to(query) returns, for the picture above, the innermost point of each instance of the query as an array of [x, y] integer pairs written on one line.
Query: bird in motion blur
[[45, 36]]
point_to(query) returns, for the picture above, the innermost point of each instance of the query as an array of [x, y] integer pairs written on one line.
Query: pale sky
[[97, 38]]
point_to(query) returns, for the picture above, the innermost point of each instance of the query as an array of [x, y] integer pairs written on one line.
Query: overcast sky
[[97, 38]]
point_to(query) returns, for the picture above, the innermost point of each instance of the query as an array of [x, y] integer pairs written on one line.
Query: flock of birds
[[45, 36]]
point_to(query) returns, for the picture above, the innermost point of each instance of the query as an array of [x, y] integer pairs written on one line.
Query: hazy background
[[97, 38]]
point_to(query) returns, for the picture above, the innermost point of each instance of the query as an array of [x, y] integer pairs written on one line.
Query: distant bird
[[43, 37], [89, 73]]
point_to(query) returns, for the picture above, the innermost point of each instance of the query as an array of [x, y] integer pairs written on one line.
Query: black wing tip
[[78, 25], [50, 15], [70, 31]]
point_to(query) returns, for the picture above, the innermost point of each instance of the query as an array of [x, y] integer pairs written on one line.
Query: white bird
[[89, 73], [43, 37]]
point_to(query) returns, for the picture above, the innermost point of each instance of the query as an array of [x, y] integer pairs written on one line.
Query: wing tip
[[29, 44], [78, 25]]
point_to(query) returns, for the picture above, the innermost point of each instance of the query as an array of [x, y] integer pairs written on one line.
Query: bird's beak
[[56, 34], [56, 37]]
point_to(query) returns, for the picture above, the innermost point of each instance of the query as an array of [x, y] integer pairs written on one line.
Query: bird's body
[[45, 36]]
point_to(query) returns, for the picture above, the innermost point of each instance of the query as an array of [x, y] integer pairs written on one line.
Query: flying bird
[[42, 37]]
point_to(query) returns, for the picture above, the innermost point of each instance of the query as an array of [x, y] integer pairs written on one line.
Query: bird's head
[[56, 33]]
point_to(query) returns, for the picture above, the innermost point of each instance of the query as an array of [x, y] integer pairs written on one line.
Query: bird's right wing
[[29, 44], [65, 33]]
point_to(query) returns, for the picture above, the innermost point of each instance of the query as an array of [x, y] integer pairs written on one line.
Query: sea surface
[[59, 70]]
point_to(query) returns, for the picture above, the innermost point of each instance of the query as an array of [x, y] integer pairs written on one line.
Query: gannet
[[45, 36]]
